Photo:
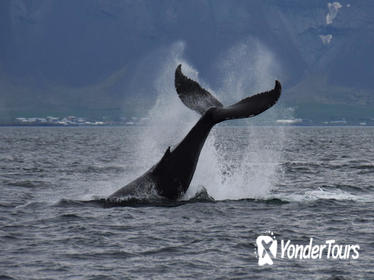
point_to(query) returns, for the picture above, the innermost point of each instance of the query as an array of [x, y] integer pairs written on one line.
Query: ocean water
[[296, 182]]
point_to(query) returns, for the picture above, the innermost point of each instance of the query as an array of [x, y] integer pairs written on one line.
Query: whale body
[[172, 175]]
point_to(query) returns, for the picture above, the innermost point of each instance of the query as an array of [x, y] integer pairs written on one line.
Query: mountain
[[97, 57]]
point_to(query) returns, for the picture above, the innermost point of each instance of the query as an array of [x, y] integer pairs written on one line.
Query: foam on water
[[321, 194]]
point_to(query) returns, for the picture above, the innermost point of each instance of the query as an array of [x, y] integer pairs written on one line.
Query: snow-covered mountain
[[102, 57]]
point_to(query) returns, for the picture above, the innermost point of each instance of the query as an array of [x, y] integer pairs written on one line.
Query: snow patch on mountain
[[333, 11]]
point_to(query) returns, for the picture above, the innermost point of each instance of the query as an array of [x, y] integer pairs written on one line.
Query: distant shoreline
[[239, 125]]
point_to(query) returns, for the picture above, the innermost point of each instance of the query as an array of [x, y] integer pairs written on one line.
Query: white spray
[[245, 166]]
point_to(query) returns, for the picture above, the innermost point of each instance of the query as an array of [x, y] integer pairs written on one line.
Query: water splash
[[168, 121], [249, 67], [244, 166]]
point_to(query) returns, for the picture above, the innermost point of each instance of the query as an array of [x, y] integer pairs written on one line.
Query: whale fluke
[[250, 106], [200, 100], [192, 94]]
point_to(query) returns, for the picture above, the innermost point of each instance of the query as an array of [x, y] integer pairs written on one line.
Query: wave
[[133, 201], [27, 183], [322, 194]]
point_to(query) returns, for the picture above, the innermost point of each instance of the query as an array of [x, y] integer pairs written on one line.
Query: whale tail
[[200, 100]]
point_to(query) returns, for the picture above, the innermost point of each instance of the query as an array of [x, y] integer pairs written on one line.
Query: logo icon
[[266, 249], [267, 246]]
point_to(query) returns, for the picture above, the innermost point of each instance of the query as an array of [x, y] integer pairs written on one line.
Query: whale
[[171, 176]]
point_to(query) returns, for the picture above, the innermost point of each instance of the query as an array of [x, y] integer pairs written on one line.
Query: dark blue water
[[298, 182]]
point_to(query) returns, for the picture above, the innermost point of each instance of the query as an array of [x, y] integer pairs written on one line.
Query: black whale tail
[[200, 100]]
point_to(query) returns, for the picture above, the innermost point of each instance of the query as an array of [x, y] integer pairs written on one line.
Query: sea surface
[[292, 183]]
